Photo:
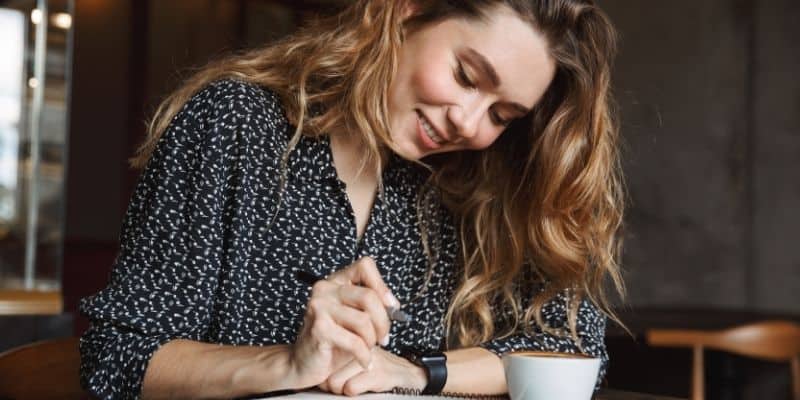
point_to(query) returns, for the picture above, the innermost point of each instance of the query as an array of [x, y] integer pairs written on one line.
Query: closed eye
[[462, 77], [464, 80], [498, 120]]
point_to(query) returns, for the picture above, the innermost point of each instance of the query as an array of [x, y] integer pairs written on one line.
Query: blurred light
[[61, 20], [33, 83], [36, 16]]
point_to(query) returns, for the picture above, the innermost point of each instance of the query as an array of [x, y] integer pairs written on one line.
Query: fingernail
[[385, 341], [393, 302]]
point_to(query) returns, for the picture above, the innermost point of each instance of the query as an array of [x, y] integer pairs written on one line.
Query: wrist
[[417, 377], [271, 370], [433, 364]]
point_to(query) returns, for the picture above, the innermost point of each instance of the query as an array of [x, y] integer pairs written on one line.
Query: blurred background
[[710, 105]]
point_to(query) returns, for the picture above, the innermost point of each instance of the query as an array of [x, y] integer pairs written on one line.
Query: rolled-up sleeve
[[590, 327], [171, 248]]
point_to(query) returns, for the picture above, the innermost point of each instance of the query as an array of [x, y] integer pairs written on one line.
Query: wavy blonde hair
[[544, 201]]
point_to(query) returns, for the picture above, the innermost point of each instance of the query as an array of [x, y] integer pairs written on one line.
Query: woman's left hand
[[386, 372]]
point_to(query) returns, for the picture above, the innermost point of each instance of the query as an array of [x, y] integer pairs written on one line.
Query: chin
[[411, 155], [408, 151]]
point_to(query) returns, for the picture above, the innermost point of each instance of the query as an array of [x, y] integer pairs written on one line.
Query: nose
[[465, 118]]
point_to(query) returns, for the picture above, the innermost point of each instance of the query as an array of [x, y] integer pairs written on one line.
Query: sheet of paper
[[369, 396]]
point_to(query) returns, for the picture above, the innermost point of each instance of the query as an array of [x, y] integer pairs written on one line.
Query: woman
[[455, 159]]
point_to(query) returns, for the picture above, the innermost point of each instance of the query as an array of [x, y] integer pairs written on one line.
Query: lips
[[430, 130], [429, 136], [424, 140]]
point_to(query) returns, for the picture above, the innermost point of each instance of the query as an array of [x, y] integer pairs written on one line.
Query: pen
[[395, 313]]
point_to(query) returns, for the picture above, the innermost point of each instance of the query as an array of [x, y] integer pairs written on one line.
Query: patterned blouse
[[209, 253]]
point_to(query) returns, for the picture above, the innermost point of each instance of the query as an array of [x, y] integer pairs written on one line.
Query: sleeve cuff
[[118, 367]]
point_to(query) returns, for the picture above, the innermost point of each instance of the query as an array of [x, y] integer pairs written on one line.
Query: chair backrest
[[42, 370], [767, 340]]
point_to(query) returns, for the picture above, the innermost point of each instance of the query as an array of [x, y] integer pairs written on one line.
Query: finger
[[328, 297], [367, 300], [337, 380], [325, 303], [365, 272], [360, 383], [322, 288], [323, 386], [355, 321], [325, 330]]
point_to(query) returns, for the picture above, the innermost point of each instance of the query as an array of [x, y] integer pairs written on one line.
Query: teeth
[[429, 131]]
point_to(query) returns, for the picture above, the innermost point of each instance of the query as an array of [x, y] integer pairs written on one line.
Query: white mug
[[535, 375]]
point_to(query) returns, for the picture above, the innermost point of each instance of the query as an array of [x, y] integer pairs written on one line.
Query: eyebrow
[[478, 59], [484, 64]]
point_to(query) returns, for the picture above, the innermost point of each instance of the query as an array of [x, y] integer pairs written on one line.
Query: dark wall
[[776, 154], [710, 116], [99, 119]]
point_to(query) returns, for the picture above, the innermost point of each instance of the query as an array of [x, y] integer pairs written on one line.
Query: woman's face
[[459, 82]]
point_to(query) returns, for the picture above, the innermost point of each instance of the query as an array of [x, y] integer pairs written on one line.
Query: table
[[24, 302]]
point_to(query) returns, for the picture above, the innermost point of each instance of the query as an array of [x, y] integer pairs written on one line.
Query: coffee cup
[[537, 375]]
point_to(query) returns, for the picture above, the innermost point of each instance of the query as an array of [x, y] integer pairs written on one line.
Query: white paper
[[368, 396]]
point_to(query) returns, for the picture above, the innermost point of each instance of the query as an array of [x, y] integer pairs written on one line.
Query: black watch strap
[[435, 366]]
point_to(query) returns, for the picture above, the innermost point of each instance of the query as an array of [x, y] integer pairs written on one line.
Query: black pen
[[395, 313]]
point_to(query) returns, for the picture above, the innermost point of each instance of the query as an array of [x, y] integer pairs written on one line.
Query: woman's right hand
[[345, 318]]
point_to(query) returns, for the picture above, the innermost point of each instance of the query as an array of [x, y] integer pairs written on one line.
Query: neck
[[349, 158]]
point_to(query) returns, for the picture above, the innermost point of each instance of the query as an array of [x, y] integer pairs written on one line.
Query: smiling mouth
[[429, 130]]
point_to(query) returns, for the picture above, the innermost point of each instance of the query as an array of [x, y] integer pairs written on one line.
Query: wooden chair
[[42, 370], [769, 340]]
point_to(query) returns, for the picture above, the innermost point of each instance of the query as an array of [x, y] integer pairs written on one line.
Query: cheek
[[433, 83]]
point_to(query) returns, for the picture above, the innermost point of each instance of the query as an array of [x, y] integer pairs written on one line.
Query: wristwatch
[[435, 366]]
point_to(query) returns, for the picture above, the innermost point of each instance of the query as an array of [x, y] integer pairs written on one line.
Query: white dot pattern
[[200, 259]]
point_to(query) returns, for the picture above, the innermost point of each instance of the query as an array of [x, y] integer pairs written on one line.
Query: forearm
[[189, 369], [475, 370]]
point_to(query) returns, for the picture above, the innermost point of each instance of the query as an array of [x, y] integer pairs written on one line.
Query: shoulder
[[233, 110], [224, 120], [235, 98]]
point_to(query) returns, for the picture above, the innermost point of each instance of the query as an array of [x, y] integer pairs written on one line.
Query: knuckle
[[343, 290], [319, 287], [363, 296], [366, 263], [351, 388], [338, 277], [319, 328], [315, 305]]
